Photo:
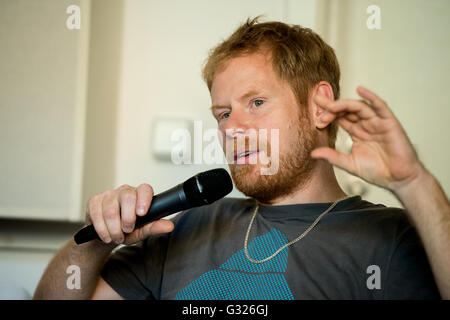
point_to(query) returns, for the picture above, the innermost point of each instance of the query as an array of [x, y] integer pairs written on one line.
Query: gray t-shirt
[[359, 250]]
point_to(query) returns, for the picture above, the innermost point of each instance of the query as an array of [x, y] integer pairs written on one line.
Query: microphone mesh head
[[207, 187]]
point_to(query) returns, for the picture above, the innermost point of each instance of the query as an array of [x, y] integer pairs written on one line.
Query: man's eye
[[224, 115], [258, 102]]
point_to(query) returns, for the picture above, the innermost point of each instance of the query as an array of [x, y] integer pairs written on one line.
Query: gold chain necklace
[[289, 243]]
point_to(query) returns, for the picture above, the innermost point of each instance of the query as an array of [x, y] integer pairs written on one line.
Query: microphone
[[203, 188]]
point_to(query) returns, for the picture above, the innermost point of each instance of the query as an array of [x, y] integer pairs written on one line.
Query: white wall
[[165, 45], [42, 88], [406, 62]]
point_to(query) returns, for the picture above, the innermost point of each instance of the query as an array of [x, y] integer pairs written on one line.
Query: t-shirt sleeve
[[135, 271], [409, 274]]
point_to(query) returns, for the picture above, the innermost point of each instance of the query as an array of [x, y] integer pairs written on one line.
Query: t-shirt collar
[[305, 209]]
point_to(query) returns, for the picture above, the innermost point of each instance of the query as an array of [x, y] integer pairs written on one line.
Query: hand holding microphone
[[123, 215]]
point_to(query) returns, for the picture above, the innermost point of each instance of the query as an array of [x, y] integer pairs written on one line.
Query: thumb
[[156, 227], [336, 158]]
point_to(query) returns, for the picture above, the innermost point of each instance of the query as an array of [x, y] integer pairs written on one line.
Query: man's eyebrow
[[217, 106], [248, 94]]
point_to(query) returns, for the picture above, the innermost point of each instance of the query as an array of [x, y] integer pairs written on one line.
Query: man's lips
[[244, 156]]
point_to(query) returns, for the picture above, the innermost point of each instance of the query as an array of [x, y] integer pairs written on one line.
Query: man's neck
[[322, 187]]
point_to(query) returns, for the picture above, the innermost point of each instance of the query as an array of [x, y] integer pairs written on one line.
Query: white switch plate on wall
[[163, 128]]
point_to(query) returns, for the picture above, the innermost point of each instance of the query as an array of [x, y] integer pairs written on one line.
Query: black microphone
[[203, 188]]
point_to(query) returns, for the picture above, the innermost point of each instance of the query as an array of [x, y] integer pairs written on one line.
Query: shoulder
[[375, 223], [376, 215]]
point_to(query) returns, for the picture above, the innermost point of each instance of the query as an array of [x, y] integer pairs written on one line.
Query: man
[[297, 236]]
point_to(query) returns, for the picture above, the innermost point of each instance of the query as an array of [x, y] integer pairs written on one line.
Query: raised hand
[[381, 153]]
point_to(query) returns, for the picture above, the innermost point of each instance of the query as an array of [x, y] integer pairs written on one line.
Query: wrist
[[413, 185]]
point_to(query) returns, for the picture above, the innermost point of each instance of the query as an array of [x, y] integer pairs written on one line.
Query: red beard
[[294, 168]]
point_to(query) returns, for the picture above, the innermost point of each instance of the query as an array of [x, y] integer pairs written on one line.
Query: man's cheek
[[271, 158], [228, 149]]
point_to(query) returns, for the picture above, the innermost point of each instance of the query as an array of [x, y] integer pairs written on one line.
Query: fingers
[[111, 216], [144, 199], [160, 226], [127, 201], [378, 104], [354, 130], [334, 157], [114, 212], [95, 215], [156, 227], [354, 110], [343, 107]]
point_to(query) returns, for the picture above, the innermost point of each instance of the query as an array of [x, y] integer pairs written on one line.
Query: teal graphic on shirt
[[240, 279]]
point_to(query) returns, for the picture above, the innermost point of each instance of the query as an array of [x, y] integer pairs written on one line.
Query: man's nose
[[237, 124]]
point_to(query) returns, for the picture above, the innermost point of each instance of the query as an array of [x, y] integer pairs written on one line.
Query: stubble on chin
[[295, 170]]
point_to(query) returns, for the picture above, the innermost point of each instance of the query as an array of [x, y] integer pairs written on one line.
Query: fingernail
[[128, 228], [140, 210]]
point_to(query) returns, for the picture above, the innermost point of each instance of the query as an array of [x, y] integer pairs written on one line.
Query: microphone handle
[[163, 204]]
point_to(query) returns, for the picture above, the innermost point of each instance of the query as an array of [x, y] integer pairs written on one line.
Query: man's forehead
[[242, 75], [249, 64]]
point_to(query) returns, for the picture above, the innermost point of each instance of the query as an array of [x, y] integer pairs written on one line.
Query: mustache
[[232, 148]]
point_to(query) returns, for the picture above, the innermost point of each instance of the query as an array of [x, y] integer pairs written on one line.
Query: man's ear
[[323, 88]]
